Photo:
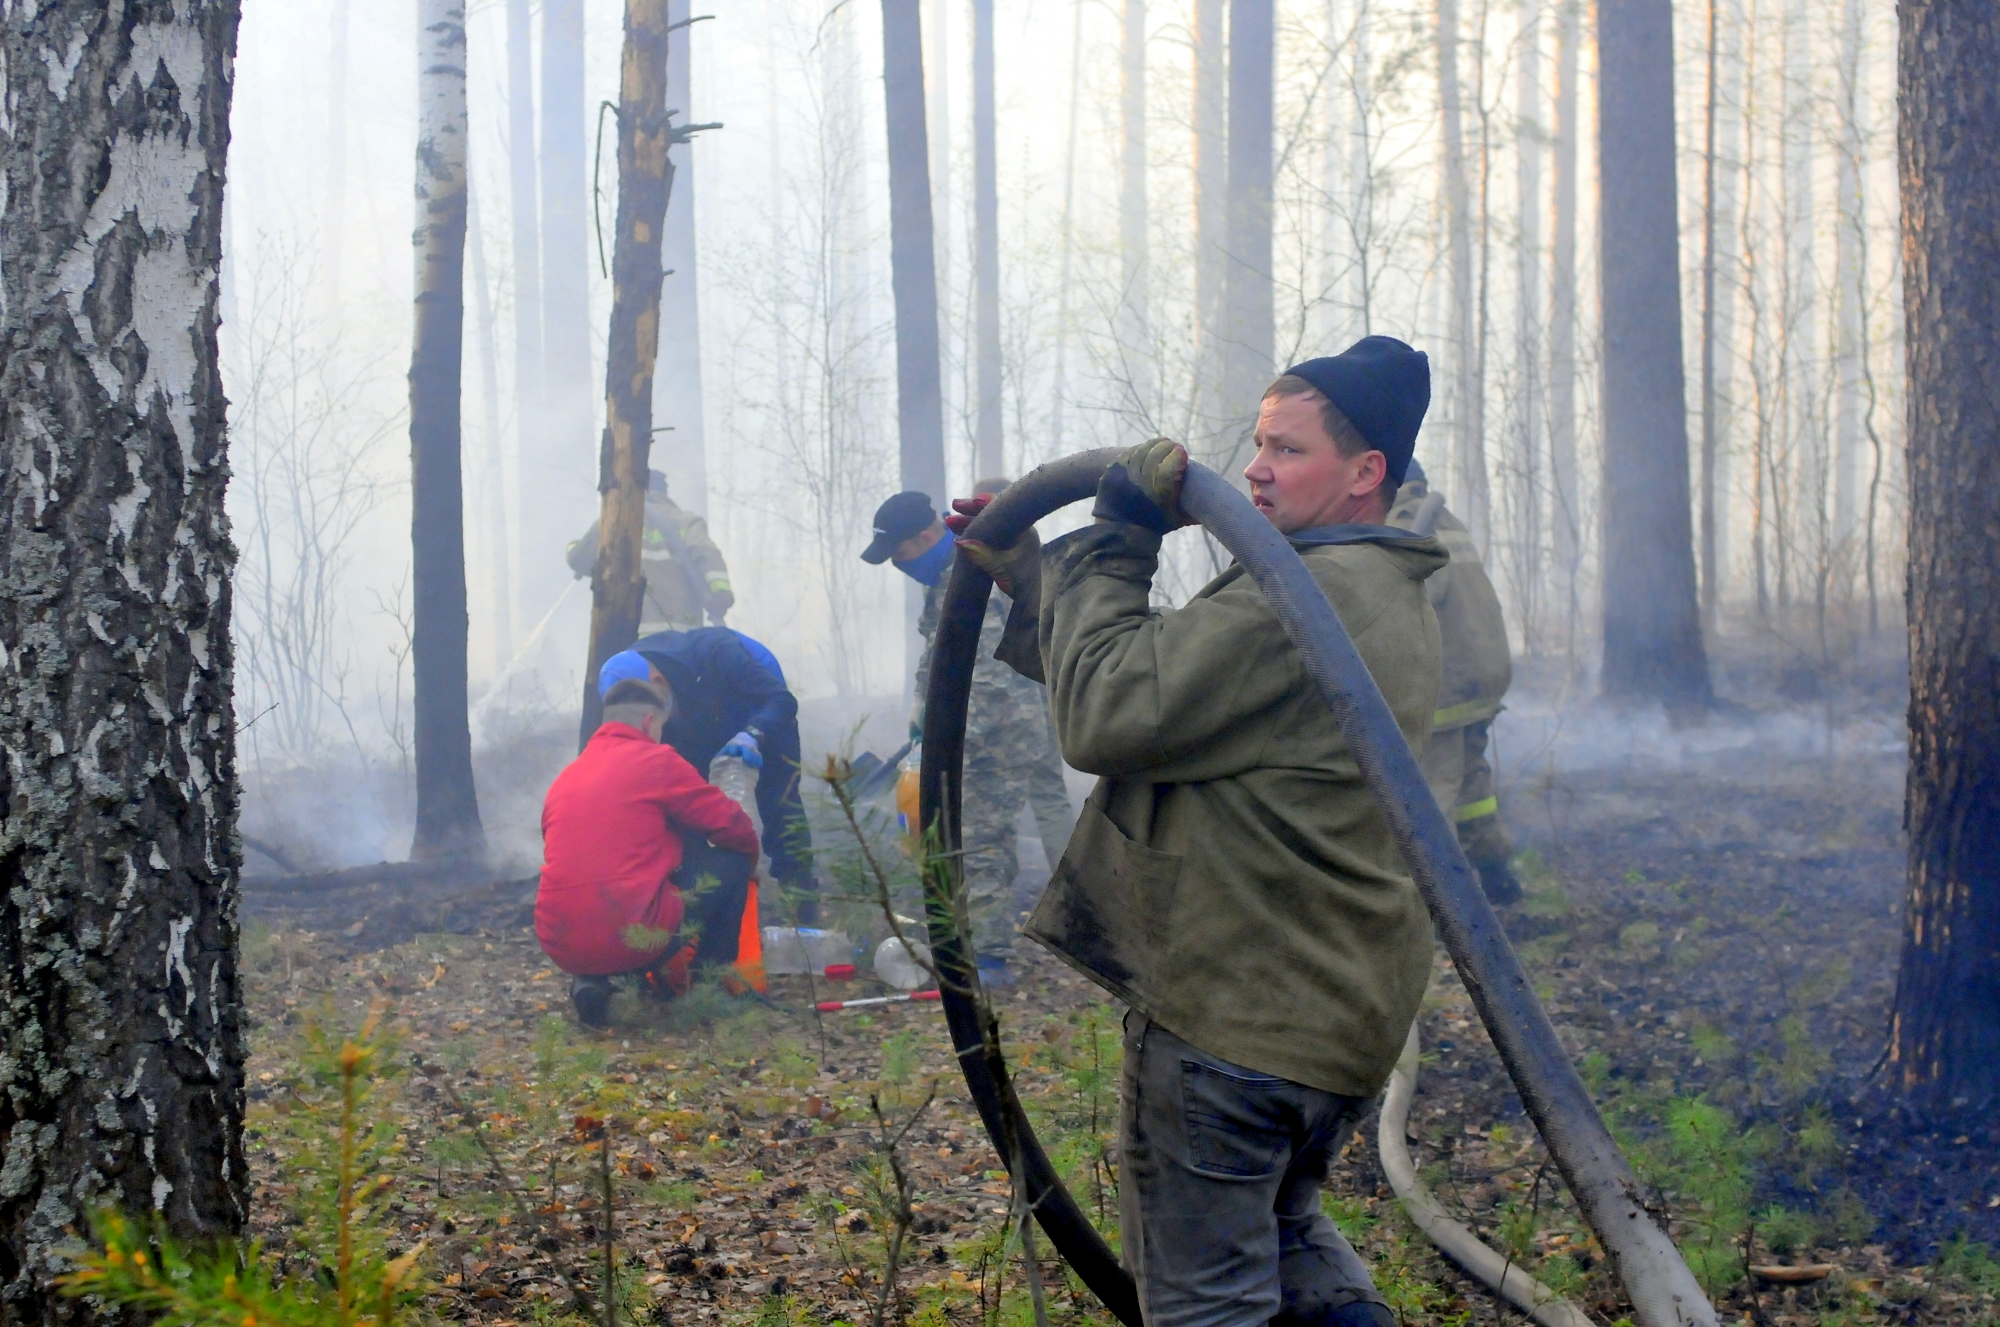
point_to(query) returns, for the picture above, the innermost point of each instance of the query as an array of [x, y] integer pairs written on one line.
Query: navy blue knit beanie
[[1383, 386]]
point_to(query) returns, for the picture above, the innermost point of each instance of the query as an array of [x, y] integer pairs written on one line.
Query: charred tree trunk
[[989, 456], [1134, 339], [645, 178], [121, 1040], [1945, 1032], [563, 425], [912, 265], [1652, 624], [527, 284], [447, 805], [1247, 278]]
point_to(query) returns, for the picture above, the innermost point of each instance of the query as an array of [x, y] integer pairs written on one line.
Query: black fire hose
[[1663, 1292]]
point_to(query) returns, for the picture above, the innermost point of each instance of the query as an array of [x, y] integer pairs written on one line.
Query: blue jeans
[[1219, 1175]]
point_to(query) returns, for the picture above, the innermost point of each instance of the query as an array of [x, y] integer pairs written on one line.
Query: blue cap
[[625, 666]]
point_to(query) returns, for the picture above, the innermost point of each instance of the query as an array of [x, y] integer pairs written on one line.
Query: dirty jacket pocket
[[1107, 904], [1238, 1125]]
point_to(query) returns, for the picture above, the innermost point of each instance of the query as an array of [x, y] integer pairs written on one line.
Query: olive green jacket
[[1231, 876], [670, 602], [1478, 661]]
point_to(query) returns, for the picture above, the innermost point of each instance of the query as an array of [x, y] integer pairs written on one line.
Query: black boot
[[592, 998], [1498, 880]]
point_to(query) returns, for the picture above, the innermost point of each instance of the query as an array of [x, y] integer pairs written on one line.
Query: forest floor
[[1712, 923]]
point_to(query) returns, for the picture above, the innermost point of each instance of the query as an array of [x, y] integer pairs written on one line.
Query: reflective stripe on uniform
[[1485, 806], [1457, 716]]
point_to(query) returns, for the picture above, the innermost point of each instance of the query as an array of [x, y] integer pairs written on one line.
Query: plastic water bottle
[[895, 967], [738, 783]]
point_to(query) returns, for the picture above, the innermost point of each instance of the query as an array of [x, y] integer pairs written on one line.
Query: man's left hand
[[1143, 487], [719, 604], [743, 746], [1010, 568]]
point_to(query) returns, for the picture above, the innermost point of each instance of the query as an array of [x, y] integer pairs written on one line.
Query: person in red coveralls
[[611, 833]]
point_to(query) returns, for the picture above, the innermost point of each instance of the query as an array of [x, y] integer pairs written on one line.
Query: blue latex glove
[[744, 747]]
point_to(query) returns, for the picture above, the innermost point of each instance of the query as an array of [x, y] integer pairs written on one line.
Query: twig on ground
[[903, 1215]]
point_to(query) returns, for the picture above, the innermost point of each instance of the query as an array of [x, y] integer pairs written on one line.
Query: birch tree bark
[[447, 805], [1944, 1034], [1653, 649], [645, 179], [121, 1041]]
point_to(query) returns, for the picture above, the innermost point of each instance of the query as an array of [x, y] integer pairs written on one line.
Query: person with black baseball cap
[[1010, 751], [1231, 878]]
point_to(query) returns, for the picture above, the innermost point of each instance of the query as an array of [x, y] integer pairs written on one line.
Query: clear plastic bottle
[[738, 783]]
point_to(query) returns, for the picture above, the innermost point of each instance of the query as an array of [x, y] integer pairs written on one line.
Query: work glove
[[743, 746], [1017, 571], [1143, 487], [1010, 568], [718, 604]]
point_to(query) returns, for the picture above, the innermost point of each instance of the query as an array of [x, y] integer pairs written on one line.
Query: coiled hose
[[1663, 1292]]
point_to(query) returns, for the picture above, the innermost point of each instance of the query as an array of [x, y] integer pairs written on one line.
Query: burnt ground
[[1712, 924]]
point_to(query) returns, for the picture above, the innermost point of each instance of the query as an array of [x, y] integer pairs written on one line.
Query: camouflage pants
[[1006, 764], [1455, 767]]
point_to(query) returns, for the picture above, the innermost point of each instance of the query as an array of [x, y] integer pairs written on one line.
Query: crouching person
[[1231, 879], [612, 827]]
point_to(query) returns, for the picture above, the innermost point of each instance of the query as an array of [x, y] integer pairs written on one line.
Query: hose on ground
[[1498, 1273], [1663, 1292]]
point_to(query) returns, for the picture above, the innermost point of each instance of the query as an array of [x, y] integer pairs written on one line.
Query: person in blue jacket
[[730, 698]]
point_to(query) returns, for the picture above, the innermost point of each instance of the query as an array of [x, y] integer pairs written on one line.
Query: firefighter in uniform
[[1478, 667], [1010, 750], [684, 570]]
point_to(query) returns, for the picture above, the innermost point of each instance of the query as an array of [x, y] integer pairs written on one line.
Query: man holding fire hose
[[1231, 878]]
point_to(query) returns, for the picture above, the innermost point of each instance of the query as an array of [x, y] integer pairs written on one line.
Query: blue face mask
[[927, 567]]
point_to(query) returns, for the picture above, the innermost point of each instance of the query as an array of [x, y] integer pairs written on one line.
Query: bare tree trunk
[[1463, 407], [1211, 208], [1361, 178], [121, 1034], [1252, 327], [1710, 583], [563, 426], [1848, 293], [1565, 495], [1945, 1030], [1134, 332], [988, 444], [492, 488], [912, 267], [645, 179], [526, 280], [677, 392], [1529, 139], [334, 244], [1652, 621], [447, 804], [1060, 389]]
